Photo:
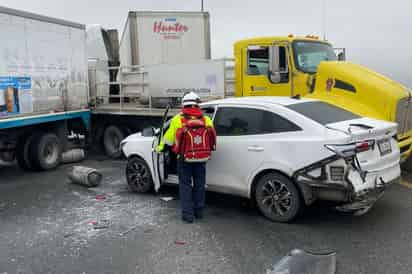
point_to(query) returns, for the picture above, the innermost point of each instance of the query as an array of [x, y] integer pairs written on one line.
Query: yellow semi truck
[[309, 67]]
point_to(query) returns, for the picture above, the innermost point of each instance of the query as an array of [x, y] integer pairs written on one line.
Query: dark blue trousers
[[192, 198]]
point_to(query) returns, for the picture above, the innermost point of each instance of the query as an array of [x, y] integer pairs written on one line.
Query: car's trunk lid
[[384, 152], [365, 129]]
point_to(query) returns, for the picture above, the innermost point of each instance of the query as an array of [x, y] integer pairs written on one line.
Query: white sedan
[[284, 154]]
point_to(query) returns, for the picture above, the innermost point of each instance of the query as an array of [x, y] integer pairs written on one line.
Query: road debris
[[179, 243], [129, 230], [302, 262], [102, 224], [69, 235], [166, 199], [100, 197], [85, 176]]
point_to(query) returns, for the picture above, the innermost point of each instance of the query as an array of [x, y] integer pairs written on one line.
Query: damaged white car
[[284, 154]]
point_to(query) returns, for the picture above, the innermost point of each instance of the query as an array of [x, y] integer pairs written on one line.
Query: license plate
[[384, 147]]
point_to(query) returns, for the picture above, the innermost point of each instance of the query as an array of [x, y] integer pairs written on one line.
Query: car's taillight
[[365, 146], [349, 150]]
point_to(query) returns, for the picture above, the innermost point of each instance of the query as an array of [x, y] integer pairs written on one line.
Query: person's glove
[[159, 148]]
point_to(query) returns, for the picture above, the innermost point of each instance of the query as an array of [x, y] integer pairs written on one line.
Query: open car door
[[159, 158]]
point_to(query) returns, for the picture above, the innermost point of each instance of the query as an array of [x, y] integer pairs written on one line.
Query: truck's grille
[[403, 115]]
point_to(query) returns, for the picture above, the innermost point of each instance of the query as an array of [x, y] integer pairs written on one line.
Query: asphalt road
[[46, 226]]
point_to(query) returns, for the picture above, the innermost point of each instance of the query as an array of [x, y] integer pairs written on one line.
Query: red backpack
[[195, 141]]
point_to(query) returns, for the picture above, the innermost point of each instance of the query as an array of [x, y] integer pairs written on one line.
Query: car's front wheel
[[278, 198], [138, 175]]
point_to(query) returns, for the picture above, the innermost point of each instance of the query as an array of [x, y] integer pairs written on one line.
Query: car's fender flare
[[265, 168]]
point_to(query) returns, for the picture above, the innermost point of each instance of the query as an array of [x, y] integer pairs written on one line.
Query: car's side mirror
[[275, 69], [148, 132]]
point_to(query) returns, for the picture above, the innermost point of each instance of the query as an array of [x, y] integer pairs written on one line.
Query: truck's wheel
[[407, 165], [22, 152], [138, 175], [111, 140], [45, 151], [278, 198], [8, 156]]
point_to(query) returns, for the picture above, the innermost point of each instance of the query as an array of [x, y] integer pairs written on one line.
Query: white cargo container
[[165, 38], [49, 56]]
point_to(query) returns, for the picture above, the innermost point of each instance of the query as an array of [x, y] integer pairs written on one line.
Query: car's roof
[[262, 100]]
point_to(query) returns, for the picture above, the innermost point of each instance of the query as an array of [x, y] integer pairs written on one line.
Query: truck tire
[[277, 198], [45, 151], [407, 165], [112, 137], [8, 156], [22, 152]]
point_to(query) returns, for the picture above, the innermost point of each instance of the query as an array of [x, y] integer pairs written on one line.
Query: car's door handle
[[255, 148]]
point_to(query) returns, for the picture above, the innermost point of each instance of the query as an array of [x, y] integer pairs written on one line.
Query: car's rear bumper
[[358, 190], [365, 199]]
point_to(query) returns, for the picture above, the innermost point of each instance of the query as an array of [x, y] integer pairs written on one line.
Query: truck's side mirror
[[274, 64], [340, 53]]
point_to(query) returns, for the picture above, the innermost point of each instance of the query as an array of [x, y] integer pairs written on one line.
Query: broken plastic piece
[[100, 224], [100, 197], [179, 243], [302, 262]]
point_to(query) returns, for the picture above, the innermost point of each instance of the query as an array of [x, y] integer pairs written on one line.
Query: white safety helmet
[[190, 98]]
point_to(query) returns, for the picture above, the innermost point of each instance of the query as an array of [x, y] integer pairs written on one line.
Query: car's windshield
[[323, 113], [308, 55]]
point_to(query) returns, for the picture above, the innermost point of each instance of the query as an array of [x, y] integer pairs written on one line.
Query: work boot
[[199, 214], [188, 220]]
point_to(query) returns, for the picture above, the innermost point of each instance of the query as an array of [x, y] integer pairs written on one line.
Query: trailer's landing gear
[[112, 137]]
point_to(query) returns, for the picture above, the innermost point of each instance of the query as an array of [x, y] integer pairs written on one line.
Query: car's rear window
[[322, 112]]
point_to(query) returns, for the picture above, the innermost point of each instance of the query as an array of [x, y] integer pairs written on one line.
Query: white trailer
[[151, 37], [43, 88], [162, 56]]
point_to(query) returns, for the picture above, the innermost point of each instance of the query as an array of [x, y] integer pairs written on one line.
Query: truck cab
[[308, 67]]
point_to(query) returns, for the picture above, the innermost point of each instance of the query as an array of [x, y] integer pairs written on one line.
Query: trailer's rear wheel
[[45, 151], [407, 165], [8, 156], [111, 140], [22, 152]]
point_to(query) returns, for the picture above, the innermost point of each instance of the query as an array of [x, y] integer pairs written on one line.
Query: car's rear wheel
[[138, 175], [278, 198]]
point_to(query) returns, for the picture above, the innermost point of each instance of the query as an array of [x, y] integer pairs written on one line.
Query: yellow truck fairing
[[309, 68]]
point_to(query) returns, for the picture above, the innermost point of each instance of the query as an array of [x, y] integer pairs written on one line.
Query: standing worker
[[192, 137]]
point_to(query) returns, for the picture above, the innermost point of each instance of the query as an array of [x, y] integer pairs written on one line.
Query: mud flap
[[302, 262]]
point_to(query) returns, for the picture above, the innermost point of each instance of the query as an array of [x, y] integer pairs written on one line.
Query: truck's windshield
[[308, 55]]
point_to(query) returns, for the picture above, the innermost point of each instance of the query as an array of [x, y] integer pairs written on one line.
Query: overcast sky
[[376, 33]]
